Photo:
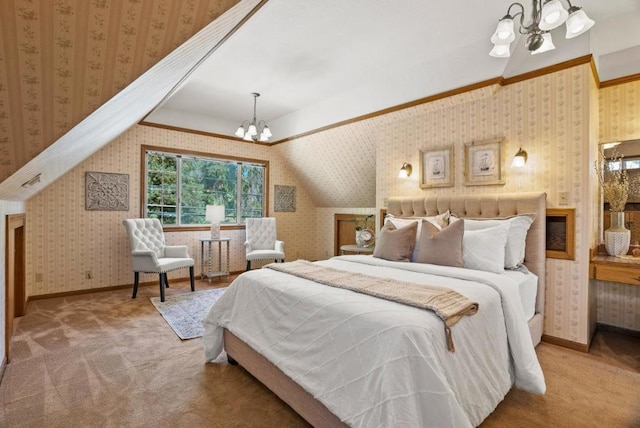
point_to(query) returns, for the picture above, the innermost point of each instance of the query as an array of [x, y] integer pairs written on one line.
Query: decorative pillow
[[518, 227], [440, 221], [395, 244], [441, 247], [484, 249]]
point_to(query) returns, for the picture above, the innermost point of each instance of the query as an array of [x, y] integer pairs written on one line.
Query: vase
[[359, 241], [617, 237]]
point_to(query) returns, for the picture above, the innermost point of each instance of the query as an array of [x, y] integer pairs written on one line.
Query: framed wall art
[[285, 198], [436, 167], [106, 191], [483, 162]]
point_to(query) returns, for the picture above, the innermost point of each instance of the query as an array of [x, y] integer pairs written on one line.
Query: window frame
[[213, 156]]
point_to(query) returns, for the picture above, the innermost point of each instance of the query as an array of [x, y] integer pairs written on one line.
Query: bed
[[342, 358]]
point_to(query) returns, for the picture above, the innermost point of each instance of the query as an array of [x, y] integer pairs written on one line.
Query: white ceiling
[[317, 63]]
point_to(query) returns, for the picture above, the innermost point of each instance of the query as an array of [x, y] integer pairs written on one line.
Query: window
[[178, 187], [632, 163]]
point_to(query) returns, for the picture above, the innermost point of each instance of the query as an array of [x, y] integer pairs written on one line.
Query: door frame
[[15, 273]]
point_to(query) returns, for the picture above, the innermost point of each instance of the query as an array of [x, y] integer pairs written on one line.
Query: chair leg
[[166, 280], [163, 277], [193, 284], [136, 278], [248, 264]]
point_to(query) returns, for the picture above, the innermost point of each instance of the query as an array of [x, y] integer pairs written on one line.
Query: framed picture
[[436, 167], [561, 233], [483, 163]]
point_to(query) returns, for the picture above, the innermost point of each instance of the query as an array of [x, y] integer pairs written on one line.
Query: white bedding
[[527, 290], [376, 363]]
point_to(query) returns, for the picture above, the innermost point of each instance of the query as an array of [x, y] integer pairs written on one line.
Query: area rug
[[184, 312]]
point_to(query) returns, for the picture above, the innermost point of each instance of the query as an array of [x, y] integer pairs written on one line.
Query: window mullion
[[178, 190], [239, 193]]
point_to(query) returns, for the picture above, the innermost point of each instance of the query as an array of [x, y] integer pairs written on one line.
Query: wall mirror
[[630, 150]]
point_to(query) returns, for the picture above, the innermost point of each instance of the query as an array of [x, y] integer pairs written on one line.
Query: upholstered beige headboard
[[487, 206]]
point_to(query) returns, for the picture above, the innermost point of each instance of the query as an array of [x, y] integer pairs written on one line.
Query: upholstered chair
[[149, 254], [262, 242]]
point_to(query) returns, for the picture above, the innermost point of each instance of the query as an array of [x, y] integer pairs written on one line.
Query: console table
[[614, 269], [209, 272]]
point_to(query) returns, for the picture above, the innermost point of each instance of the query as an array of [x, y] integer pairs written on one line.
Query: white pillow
[[484, 249], [516, 241], [439, 221]]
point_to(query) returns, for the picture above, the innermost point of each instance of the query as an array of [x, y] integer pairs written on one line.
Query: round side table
[[355, 249]]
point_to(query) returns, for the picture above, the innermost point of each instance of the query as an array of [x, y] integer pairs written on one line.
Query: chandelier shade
[[254, 130], [545, 16], [553, 15], [578, 23], [547, 44]]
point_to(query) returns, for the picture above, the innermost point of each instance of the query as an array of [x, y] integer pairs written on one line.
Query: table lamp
[[215, 215]]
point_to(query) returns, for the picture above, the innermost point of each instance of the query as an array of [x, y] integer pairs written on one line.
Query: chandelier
[[544, 18], [254, 130]]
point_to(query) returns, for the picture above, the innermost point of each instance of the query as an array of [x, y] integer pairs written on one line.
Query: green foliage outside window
[[197, 182]]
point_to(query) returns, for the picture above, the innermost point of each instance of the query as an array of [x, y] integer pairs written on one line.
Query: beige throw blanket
[[447, 304]]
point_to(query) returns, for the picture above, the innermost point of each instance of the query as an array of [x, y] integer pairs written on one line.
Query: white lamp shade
[[578, 23], [215, 213], [240, 131], [500, 51], [252, 130], [403, 173], [267, 132], [553, 15], [504, 33], [247, 137], [547, 45], [518, 162]]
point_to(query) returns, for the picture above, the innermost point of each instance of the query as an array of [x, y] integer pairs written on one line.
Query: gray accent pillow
[[441, 247], [395, 244]]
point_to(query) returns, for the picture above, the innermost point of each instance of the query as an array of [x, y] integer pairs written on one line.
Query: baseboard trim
[[618, 330], [111, 288], [576, 346]]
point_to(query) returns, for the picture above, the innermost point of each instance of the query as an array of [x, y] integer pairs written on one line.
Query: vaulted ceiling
[[62, 59], [68, 66]]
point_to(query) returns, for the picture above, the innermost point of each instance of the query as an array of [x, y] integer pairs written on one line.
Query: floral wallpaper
[[62, 59], [64, 240]]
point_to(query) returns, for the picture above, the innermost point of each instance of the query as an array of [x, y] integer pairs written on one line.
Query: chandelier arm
[[515, 4]]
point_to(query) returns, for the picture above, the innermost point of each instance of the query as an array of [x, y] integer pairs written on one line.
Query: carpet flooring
[[103, 359]]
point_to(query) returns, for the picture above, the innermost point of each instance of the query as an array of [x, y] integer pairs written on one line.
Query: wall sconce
[[520, 159], [405, 171]]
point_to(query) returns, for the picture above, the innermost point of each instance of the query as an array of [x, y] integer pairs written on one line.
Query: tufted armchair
[[149, 254], [262, 242]]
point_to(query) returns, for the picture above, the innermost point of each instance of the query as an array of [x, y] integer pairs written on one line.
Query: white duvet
[[376, 363]]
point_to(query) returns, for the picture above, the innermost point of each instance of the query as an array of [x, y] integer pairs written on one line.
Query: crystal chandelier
[[254, 130], [544, 18]]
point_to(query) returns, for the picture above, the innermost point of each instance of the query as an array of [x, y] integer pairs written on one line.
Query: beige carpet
[[106, 360]]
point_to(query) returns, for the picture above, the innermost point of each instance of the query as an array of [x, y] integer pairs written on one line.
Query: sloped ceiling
[[62, 59], [315, 62]]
